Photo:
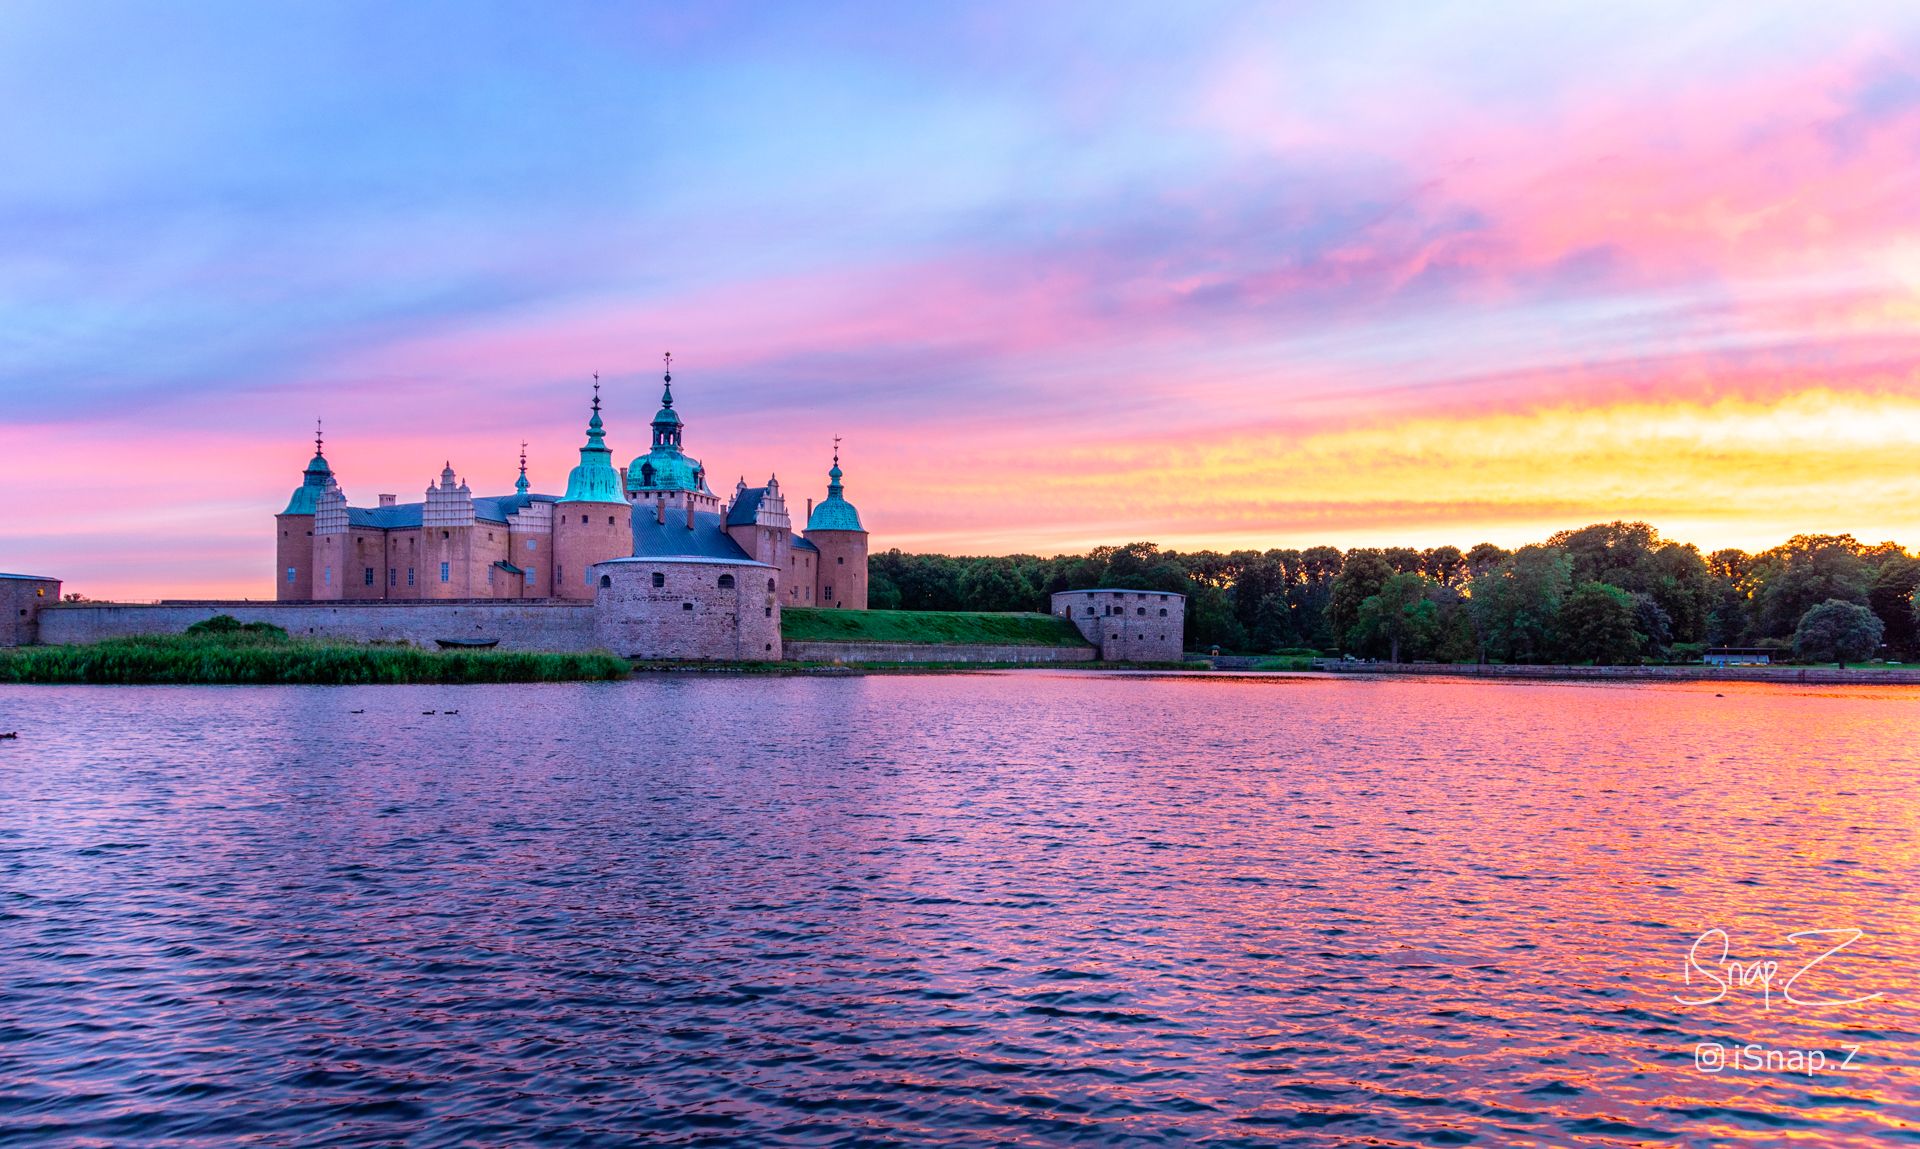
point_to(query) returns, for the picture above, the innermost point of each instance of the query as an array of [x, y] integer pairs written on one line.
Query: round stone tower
[[293, 531], [592, 521], [834, 528]]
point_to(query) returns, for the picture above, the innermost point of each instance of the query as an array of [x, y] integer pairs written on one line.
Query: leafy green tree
[[1596, 625], [1361, 577], [1517, 604], [1891, 598], [1401, 618], [1801, 573], [1444, 565], [1654, 625], [1484, 558], [1837, 631]]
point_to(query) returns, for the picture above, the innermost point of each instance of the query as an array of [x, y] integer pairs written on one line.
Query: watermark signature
[[1727, 974], [1713, 1057]]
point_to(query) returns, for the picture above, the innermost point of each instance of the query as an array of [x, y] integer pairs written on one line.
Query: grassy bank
[[258, 659], [814, 624]]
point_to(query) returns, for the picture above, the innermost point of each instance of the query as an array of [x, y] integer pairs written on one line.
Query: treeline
[[1608, 593]]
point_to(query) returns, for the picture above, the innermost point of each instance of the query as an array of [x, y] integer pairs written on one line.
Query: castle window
[[559, 575], [659, 579], [1163, 612], [489, 576], [290, 574], [609, 520], [686, 606], [605, 581], [446, 534], [841, 559], [409, 576], [726, 582], [533, 544], [393, 576], [369, 576], [326, 577], [1142, 612], [770, 585], [586, 577], [489, 536], [446, 572], [826, 591]]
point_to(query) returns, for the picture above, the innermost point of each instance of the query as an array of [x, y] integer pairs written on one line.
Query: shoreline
[[1787, 675]]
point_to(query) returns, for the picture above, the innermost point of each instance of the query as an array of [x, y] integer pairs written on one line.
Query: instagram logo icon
[[1709, 1057]]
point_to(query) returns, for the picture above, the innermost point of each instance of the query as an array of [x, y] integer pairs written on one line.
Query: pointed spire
[[666, 395], [833, 476], [521, 484], [596, 433], [319, 440]]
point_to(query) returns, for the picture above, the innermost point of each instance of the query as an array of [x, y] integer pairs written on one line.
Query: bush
[[255, 658]]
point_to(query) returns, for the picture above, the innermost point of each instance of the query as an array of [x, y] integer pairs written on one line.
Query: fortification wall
[[551, 626], [932, 652], [679, 608], [22, 602], [1128, 625]]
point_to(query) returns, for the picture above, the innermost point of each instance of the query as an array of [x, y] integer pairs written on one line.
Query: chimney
[[660, 512], [623, 478], [809, 508], [388, 500], [689, 512]]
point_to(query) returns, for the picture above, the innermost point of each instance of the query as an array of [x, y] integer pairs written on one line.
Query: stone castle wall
[[841, 580], [549, 626], [1128, 625], [22, 600], [933, 652]]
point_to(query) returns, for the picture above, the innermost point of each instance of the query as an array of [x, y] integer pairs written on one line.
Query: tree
[[1837, 631], [1400, 618], [1891, 597], [1361, 577], [1516, 606], [1596, 624], [1444, 565], [1484, 558], [1804, 571]]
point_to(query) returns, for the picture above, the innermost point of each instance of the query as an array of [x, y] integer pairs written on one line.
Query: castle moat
[[1027, 907]]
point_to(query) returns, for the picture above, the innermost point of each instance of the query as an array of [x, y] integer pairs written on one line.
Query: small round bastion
[[687, 608]]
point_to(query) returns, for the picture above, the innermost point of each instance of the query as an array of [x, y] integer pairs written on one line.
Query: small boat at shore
[[467, 643]]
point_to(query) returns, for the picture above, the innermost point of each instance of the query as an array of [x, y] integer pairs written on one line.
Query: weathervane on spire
[[668, 358], [318, 439], [596, 392], [523, 458], [836, 450]]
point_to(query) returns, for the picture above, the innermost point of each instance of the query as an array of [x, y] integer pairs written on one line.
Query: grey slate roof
[[707, 540], [803, 544], [31, 578], [746, 507], [406, 516]]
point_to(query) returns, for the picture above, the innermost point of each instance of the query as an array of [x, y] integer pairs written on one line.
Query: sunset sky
[[1212, 276]]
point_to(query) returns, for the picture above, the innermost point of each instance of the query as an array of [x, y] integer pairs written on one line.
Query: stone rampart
[[932, 652], [518, 625]]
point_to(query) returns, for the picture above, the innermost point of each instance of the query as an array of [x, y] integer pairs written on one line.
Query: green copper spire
[[306, 497], [594, 480], [834, 513], [521, 485]]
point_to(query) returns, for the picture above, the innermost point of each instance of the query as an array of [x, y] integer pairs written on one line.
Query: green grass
[[972, 628], [264, 657]]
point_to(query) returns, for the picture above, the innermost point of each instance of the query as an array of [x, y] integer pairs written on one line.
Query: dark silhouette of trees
[[1837, 631]]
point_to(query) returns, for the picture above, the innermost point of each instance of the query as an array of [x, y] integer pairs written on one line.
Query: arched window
[[646, 474], [1142, 612], [770, 585], [726, 582], [606, 580], [1163, 612]]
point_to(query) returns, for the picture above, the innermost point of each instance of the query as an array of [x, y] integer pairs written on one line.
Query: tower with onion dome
[[833, 527], [592, 521], [666, 478]]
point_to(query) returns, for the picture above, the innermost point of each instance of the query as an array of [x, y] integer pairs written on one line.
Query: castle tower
[[666, 476], [293, 530], [834, 528], [592, 521]]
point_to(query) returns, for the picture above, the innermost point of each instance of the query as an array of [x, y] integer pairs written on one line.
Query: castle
[[672, 571]]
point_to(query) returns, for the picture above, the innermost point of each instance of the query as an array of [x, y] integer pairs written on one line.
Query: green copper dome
[[835, 513], [306, 496], [666, 467], [594, 480]]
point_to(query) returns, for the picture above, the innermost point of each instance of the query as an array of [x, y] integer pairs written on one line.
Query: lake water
[[1021, 908]]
